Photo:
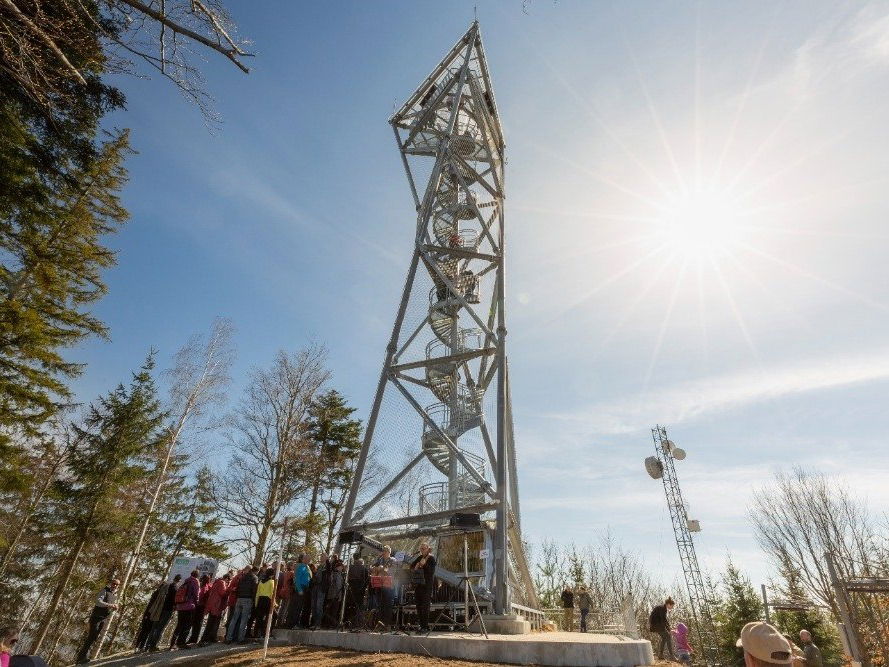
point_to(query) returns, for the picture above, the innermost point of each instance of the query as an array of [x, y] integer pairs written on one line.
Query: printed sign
[[484, 553], [184, 565]]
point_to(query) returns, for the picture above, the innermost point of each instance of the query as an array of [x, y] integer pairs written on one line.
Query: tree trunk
[[269, 518], [64, 578], [29, 514], [137, 551], [64, 629], [313, 508]]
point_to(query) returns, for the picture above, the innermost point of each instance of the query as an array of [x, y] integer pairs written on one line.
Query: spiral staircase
[[459, 409]]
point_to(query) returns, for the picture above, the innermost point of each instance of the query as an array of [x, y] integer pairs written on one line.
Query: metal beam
[[432, 516], [386, 489], [449, 359]]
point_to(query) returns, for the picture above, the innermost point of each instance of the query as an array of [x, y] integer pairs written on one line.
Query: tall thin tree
[[198, 379], [118, 430]]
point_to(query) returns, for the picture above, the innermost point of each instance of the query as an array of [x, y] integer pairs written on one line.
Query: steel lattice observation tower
[[439, 439]]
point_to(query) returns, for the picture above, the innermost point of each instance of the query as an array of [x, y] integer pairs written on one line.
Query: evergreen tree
[[336, 443], [190, 521], [53, 256], [740, 605], [113, 446], [187, 522]]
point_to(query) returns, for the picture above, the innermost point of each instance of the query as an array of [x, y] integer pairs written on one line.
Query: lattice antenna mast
[[661, 465], [448, 343]]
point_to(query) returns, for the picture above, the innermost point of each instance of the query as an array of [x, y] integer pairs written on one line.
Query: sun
[[698, 226]]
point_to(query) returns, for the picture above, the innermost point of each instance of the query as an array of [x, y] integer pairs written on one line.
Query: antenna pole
[[700, 604]]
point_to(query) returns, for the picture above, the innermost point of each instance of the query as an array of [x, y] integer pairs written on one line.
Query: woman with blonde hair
[[8, 637]]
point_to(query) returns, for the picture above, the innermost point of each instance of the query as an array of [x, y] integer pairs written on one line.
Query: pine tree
[[187, 522], [114, 443], [739, 606], [336, 443], [53, 256]]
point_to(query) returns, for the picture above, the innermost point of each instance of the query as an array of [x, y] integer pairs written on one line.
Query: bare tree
[[271, 467], [803, 515], [198, 379], [52, 49]]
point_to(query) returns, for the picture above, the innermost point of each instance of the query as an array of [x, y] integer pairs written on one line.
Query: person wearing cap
[[105, 604], [763, 645], [811, 653], [660, 625]]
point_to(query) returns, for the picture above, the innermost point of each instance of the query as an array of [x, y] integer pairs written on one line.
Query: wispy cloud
[[690, 400]]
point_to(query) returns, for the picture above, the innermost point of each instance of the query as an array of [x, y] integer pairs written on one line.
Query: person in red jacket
[[233, 596], [217, 603], [284, 591]]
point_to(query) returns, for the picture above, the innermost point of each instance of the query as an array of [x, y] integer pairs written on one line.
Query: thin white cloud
[[690, 400]]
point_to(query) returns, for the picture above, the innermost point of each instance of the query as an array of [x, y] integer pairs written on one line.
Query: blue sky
[[759, 341]]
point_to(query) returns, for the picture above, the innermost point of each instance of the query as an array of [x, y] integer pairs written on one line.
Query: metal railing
[[536, 617], [607, 622]]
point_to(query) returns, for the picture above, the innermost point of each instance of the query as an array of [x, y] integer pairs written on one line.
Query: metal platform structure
[[451, 449], [666, 451]]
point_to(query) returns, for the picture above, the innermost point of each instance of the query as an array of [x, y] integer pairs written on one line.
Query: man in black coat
[[105, 604], [357, 585], [162, 617], [423, 586], [660, 625]]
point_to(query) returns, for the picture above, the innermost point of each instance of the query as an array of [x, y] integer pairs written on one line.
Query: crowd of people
[[303, 594], [241, 606]]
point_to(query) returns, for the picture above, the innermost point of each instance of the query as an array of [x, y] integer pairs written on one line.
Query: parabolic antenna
[[678, 453], [668, 446], [694, 526], [654, 468]]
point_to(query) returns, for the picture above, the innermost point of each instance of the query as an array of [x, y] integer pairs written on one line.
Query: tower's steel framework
[[449, 134], [697, 593]]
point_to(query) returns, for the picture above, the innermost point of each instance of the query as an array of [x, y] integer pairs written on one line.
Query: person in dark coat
[[660, 625], [321, 582], [423, 586], [567, 599], [244, 592], [306, 620], [160, 614], [187, 598], [156, 599], [357, 586], [105, 604]]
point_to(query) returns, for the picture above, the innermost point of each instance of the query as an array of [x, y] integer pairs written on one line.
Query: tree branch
[[232, 53]]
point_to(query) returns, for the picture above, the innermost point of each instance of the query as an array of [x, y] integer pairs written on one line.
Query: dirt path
[[328, 657]]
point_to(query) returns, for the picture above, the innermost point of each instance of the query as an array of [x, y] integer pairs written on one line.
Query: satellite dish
[[678, 453], [694, 526], [654, 468], [668, 446]]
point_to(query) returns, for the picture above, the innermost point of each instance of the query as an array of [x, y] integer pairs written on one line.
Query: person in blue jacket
[[301, 579]]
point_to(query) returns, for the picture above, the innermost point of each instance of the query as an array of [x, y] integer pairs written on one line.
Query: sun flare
[[700, 225]]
